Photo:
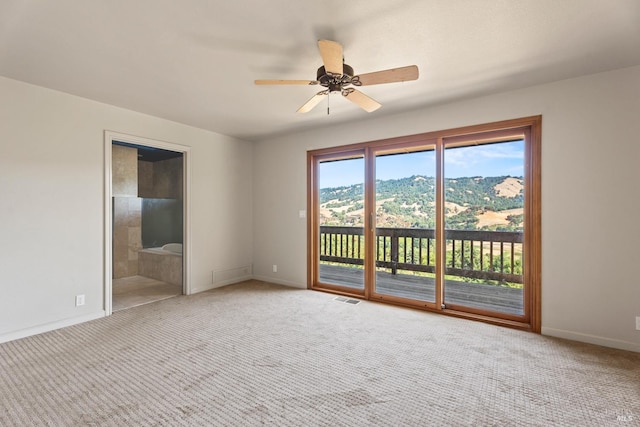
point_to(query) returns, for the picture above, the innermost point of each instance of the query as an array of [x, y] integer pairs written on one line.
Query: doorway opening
[[146, 225]]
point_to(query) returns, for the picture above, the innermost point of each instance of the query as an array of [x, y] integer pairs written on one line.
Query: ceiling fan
[[336, 76]]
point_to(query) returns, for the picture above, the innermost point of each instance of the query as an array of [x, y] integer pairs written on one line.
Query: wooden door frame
[[532, 232]]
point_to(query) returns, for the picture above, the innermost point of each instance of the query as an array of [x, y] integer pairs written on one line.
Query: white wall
[[52, 203], [590, 196]]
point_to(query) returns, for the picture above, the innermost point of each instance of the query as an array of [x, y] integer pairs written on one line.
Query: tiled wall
[[124, 167], [127, 211], [164, 267], [160, 180], [133, 180], [127, 235], [145, 179]]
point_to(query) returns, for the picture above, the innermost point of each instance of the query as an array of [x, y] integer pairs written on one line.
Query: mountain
[[471, 203]]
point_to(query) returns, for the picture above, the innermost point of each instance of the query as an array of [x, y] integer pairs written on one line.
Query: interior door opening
[[146, 256]]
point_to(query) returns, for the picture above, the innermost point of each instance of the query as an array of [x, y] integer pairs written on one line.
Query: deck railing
[[489, 255]]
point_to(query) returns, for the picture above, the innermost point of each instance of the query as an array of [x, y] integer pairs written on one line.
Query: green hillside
[[471, 203]]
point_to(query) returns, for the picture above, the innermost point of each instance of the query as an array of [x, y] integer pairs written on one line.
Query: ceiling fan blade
[[286, 82], [357, 97], [392, 75], [332, 58], [308, 106]]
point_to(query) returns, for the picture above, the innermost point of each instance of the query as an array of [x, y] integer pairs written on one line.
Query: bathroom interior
[[147, 191]]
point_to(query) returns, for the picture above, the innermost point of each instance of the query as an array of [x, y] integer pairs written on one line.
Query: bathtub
[[162, 263], [168, 249]]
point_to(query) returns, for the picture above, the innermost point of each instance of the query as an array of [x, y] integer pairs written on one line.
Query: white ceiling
[[194, 61]]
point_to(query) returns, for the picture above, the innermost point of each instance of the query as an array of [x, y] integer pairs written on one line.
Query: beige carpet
[[259, 354]]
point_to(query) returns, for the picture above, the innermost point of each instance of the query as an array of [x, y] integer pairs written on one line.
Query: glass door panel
[[405, 218], [484, 223], [341, 222]]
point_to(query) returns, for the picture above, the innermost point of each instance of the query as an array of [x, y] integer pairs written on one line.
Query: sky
[[506, 158]]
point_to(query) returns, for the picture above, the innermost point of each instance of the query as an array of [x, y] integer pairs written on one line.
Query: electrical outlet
[[637, 323], [79, 300], [275, 268]]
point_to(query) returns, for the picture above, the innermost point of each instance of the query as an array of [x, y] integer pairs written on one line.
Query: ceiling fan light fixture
[[336, 76]]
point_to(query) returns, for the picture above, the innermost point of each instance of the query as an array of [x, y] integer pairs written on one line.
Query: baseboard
[[280, 282], [244, 278], [39, 329], [591, 339], [221, 283]]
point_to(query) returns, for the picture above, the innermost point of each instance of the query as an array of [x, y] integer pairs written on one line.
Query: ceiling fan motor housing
[[335, 83]]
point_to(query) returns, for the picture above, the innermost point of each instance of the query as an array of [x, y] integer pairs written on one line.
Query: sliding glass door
[[447, 221], [340, 216], [484, 218], [405, 218]]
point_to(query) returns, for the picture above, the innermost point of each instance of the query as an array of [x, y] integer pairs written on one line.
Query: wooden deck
[[487, 297]]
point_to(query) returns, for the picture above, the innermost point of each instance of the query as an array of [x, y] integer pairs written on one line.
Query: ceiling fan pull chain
[[328, 97]]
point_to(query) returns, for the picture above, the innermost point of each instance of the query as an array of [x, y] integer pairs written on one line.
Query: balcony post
[[394, 252]]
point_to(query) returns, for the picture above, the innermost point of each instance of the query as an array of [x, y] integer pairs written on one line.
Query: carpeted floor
[[261, 354]]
